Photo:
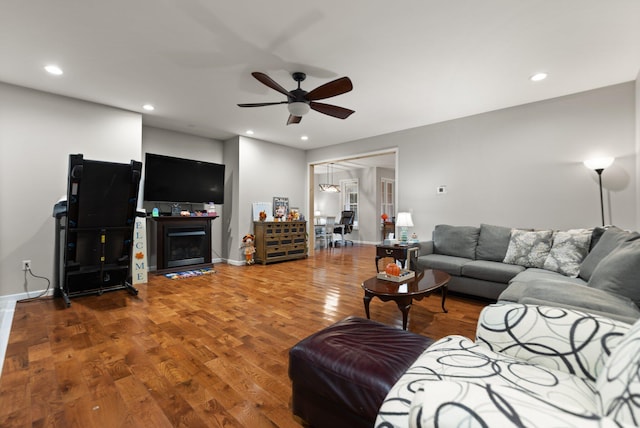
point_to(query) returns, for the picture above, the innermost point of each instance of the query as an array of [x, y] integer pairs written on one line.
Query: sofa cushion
[[462, 403], [450, 264], [532, 274], [493, 242], [562, 292], [491, 271], [568, 250], [456, 358], [619, 272], [610, 239], [529, 249], [460, 241], [618, 383]]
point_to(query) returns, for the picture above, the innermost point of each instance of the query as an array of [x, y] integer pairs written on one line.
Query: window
[[387, 187], [349, 192]]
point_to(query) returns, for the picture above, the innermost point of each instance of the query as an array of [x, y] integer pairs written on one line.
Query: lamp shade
[[404, 220], [298, 109], [598, 163]]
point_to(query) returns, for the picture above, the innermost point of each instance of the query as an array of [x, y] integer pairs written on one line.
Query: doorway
[[359, 179]]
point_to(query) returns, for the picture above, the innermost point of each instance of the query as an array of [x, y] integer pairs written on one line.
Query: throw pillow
[[619, 272], [618, 382], [493, 242], [459, 241], [595, 236], [529, 249], [610, 239], [567, 251]]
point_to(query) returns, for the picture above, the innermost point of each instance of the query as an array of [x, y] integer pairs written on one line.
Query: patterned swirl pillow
[[568, 251], [528, 249]]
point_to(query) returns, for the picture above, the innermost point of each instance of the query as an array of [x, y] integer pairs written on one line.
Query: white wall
[[519, 166], [177, 144], [38, 131]]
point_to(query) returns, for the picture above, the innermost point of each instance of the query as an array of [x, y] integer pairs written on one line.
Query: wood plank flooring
[[209, 351]]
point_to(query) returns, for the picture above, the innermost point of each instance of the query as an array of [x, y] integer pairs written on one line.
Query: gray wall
[[263, 170], [637, 86], [38, 131], [520, 166]]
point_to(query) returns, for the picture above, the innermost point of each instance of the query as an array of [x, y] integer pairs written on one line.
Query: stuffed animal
[[249, 249]]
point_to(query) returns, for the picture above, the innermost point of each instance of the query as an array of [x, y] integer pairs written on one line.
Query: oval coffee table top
[[424, 281]]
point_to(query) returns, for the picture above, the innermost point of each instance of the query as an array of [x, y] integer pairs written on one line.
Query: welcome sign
[[139, 259]]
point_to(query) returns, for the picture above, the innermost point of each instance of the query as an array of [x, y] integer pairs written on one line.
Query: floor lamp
[[599, 165]]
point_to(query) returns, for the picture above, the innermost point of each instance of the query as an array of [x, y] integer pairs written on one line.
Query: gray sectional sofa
[[595, 270]]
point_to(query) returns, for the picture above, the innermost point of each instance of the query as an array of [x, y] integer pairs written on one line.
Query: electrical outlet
[[26, 264]]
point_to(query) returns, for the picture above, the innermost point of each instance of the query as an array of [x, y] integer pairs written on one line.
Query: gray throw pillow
[[610, 240], [619, 272], [529, 249], [459, 241], [567, 251], [595, 236], [493, 242]]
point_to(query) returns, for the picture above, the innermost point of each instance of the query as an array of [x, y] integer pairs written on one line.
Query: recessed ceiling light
[[538, 77], [304, 138], [53, 69], [148, 107], [249, 132]]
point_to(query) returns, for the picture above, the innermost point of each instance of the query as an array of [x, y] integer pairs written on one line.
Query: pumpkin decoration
[[392, 269]]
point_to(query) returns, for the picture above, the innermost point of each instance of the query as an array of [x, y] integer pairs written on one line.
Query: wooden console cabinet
[[277, 241]]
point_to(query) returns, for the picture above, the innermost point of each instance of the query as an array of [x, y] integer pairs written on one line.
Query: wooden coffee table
[[403, 293]]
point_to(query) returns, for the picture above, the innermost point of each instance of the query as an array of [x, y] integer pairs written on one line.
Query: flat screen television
[[169, 179]]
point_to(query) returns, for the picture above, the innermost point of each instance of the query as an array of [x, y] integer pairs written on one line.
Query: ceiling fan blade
[[294, 119], [331, 110], [262, 104], [331, 89], [268, 81]]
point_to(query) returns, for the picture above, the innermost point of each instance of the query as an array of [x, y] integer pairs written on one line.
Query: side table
[[406, 254]]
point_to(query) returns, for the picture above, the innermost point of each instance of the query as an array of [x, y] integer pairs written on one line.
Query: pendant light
[[328, 187]]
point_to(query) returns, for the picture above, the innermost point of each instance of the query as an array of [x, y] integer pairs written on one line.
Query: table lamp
[[404, 221]]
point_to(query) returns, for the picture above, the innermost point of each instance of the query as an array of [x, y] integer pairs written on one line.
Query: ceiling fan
[[300, 101]]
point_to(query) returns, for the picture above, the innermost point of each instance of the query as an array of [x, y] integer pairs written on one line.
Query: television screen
[[169, 179]]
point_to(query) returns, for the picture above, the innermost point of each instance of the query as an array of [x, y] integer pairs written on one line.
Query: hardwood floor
[[209, 351]]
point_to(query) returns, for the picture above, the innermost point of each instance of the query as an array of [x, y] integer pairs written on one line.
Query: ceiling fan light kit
[[299, 101], [298, 109]]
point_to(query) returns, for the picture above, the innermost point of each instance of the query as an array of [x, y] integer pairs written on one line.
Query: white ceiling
[[412, 62]]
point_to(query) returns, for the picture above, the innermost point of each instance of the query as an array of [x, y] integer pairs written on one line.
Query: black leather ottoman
[[341, 374]]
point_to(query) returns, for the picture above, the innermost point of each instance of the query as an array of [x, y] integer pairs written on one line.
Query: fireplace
[[183, 242], [185, 246]]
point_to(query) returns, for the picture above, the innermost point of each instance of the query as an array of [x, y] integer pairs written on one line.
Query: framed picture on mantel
[[280, 207]]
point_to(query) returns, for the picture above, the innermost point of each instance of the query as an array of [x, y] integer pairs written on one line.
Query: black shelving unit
[[98, 231]]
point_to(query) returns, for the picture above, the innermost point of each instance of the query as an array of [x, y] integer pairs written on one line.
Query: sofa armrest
[[561, 339], [426, 247]]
